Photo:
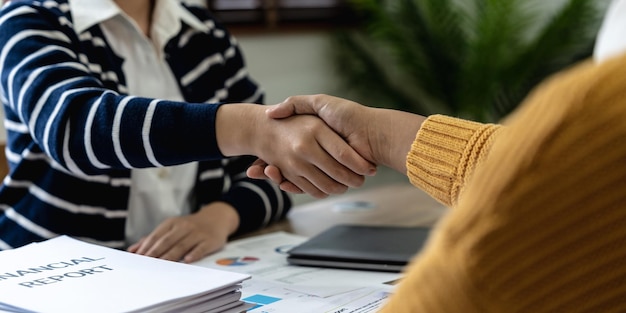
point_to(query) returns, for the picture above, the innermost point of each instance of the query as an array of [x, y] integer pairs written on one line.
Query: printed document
[[279, 287], [67, 275]]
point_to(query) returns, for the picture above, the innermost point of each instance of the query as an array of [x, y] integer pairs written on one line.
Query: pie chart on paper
[[237, 261]]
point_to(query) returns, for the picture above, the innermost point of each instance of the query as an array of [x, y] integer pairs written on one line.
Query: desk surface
[[391, 204], [395, 204]]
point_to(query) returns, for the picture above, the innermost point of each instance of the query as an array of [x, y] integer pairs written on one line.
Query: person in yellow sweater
[[539, 203], [538, 218]]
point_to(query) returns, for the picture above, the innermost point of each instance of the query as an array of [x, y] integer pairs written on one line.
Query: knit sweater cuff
[[445, 153]]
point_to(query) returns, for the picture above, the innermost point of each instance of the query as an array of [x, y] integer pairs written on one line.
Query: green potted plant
[[476, 59]]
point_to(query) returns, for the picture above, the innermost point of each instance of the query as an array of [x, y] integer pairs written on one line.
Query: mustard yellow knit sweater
[[540, 225]]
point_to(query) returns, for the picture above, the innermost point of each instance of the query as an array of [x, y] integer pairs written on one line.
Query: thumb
[[280, 110], [292, 106]]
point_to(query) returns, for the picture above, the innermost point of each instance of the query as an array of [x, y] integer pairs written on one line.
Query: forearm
[[236, 128], [393, 133]]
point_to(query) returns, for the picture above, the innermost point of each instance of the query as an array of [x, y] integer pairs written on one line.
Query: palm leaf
[[475, 58]]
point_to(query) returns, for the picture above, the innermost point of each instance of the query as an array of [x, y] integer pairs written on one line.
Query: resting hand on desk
[[382, 136], [191, 237]]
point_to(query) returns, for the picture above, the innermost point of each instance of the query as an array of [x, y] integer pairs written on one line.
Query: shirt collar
[[87, 13], [168, 15]]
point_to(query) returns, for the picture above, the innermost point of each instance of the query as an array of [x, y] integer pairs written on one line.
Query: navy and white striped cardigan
[[73, 134]]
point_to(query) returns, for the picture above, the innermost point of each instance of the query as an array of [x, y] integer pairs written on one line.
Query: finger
[[259, 162], [134, 247], [201, 250], [290, 187], [256, 170], [316, 181], [182, 247], [341, 151], [294, 105], [327, 186], [166, 248], [273, 173], [333, 152], [317, 172], [259, 171], [162, 239]]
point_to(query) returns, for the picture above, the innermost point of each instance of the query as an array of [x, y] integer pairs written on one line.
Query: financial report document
[[277, 287], [66, 275]]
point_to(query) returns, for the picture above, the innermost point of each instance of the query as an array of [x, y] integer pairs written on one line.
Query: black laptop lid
[[361, 247]]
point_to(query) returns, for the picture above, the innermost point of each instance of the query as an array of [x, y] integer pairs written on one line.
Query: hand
[[259, 169], [192, 237], [310, 154], [382, 136]]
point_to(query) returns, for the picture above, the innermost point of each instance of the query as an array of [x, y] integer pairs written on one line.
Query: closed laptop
[[379, 248]]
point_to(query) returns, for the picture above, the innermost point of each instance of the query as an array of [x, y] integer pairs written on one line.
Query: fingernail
[[371, 171]]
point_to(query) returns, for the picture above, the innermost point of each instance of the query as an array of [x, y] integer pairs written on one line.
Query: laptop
[[361, 247]]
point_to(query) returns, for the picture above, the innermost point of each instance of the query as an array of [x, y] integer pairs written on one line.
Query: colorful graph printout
[[260, 300], [237, 261]]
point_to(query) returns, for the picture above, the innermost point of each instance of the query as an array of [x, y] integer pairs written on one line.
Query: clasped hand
[[335, 116], [380, 136], [311, 156]]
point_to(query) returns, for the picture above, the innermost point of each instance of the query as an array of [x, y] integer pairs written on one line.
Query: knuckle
[[301, 148], [318, 97], [352, 180], [338, 189], [317, 193], [289, 99]]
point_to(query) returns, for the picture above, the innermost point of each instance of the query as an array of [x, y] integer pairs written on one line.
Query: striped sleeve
[[258, 202], [51, 90]]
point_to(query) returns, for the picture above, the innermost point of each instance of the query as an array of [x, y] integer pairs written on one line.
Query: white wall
[[289, 64]]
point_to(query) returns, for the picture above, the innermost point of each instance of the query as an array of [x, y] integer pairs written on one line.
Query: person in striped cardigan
[[123, 130]]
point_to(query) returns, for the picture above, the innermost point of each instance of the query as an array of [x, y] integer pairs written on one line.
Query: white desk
[[397, 204], [295, 288]]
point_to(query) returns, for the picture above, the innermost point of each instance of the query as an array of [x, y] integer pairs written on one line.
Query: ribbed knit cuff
[[444, 154]]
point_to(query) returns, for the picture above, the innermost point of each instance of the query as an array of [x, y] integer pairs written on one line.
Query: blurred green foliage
[[475, 59]]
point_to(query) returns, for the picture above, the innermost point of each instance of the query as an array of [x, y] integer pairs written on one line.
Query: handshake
[[320, 144]]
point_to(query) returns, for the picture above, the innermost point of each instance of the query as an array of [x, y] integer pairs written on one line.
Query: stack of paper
[[67, 275]]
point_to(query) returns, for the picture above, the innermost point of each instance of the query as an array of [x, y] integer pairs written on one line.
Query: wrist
[[236, 126], [395, 132], [222, 214]]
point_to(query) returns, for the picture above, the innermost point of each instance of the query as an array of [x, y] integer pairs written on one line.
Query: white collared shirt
[[156, 193]]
